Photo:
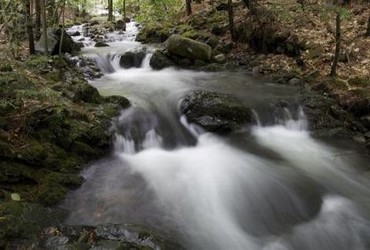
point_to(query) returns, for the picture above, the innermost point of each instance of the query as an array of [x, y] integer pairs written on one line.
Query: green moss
[[359, 81]]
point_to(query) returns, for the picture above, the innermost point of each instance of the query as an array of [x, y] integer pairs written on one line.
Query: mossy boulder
[[184, 47], [215, 112], [154, 33]]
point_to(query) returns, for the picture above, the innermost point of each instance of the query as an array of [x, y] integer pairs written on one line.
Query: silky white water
[[271, 186]]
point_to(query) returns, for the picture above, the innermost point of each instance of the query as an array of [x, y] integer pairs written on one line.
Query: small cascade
[[268, 187]]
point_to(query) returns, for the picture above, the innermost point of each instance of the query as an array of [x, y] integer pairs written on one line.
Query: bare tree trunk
[[38, 19], [337, 46], [110, 10], [44, 25], [62, 28], [31, 41], [231, 19], [188, 7], [124, 14]]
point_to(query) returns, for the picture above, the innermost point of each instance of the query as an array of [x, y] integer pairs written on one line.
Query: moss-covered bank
[[52, 122]]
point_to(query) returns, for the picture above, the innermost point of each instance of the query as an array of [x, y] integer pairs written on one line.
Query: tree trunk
[[250, 5], [38, 19], [110, 10], [368, 27], [44, 25], [63, 24], [124, 14], [31, 41], [231, 19], [337, 46], [188, 7]]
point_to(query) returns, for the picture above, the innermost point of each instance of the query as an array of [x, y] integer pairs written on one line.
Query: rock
[[153, 33], [367, 135], [159, 60], [53, 40], [220, 58], [188, 48], [76, 33], [86, 93], [94, 22], [215, 112], [101, 44], [120, 100], [366, 121], [132, 59], [212, 41], [359, 138], [295, 81], [120, 25]]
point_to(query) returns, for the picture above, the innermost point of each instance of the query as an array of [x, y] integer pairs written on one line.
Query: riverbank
[[293, 47], [52, 124]]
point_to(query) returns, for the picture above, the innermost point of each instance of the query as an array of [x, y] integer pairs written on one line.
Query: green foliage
[[153, 10]]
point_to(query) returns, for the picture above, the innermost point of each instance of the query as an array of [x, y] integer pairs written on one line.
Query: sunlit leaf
[[15, 197]]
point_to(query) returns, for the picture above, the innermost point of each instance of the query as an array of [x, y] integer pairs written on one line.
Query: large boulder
[[180, 46], [132, 59], [53, 41], [215, 112], [160, 60]]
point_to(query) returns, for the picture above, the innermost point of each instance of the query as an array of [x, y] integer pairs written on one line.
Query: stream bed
[[271, 186]]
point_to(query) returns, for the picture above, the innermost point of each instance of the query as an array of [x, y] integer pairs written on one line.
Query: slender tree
[[337, 45], [124, 14], [31, 41], [231, 20], [44, 25], [62, 28], [188, 7], [38, 19], [110, 10]]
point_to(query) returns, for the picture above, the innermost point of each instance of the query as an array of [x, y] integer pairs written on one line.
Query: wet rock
[[101, 44], [104, 237], [160, 60], [120, 25], [215, 112], [188, 48], [53, 38], [295, 81], [120, 100], [132, 59], [76, 33]]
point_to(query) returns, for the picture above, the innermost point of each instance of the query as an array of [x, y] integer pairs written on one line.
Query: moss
[[359, 81], [154, 33], [50, 193]]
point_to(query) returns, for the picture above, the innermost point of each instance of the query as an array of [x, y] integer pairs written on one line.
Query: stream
[[272, 186]]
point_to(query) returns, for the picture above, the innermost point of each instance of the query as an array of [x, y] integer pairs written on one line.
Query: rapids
[[272, 186]]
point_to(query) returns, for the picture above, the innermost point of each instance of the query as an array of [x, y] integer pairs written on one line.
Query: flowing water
[[271, 186]]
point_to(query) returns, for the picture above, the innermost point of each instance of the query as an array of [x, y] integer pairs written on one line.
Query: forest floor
[[314, 27]]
